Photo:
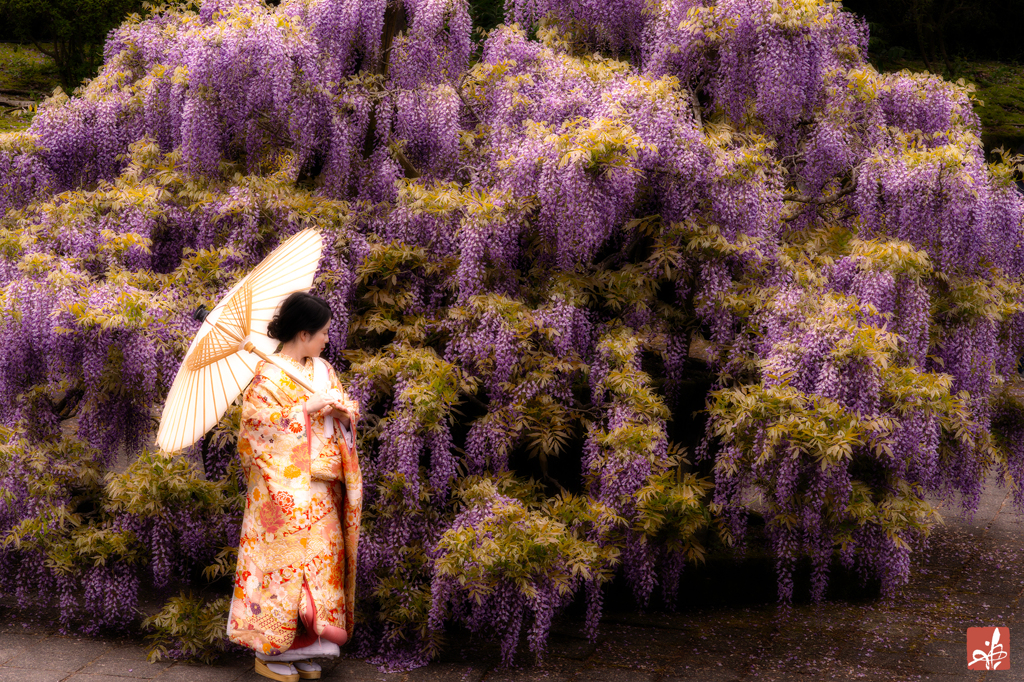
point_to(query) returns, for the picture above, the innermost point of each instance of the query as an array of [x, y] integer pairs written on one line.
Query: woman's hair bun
[[274, 328]]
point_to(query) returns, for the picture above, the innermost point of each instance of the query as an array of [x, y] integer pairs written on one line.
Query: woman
[[295, 578]]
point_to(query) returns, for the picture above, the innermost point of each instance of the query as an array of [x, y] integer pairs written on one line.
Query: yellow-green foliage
[[560, 540], [158, 480], [78, 500], [188, 626], [671, 510]]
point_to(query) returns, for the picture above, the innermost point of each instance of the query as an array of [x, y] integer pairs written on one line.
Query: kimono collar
[[297, 364]]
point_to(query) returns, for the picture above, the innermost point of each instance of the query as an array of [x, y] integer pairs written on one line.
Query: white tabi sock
[[321, 647]]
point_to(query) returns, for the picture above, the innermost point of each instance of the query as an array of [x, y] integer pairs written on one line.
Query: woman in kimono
[[295, 577]]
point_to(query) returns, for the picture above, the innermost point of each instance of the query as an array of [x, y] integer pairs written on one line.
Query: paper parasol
[[222, 359]]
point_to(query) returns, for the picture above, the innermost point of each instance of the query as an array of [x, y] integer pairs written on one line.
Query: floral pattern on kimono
[[301, 522]]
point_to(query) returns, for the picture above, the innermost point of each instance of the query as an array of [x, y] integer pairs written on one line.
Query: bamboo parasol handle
[[290, 371]]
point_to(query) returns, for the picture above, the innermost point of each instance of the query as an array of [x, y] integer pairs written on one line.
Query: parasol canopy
[[221, 360]]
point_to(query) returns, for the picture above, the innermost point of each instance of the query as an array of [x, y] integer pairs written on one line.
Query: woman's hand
[[346, 411], [318, 401]]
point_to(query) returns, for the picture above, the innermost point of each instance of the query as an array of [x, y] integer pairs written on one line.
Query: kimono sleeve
[[351, 502], [350, 458]]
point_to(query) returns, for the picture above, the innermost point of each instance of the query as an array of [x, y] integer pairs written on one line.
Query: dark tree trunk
[[940, 34], [922, 44], [396, 21]]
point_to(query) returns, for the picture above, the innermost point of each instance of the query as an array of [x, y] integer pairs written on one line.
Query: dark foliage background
[[940, 31]]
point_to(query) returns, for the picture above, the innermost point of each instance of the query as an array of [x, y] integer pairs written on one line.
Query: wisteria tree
[[526, 239]]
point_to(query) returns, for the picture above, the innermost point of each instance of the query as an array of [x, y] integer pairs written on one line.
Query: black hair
[[300, 312]]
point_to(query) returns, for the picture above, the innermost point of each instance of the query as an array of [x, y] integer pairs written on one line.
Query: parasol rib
[[182, 414]]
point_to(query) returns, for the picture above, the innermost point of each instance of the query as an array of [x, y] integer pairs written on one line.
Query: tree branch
[[410, 170], [695, 105], [51, 55], [458, 89], [395, 21], [65, 408], [847, 189], [618, 253]]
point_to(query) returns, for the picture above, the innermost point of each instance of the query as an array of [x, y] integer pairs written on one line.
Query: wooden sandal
[[262, 669], [307, 674]]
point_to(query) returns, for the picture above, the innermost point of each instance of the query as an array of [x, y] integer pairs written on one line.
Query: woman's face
[[315, 342]]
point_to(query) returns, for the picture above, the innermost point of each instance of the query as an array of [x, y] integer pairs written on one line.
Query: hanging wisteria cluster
[[526, 242]]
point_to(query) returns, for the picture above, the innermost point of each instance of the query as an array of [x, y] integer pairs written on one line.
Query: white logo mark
[[994, 655]]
